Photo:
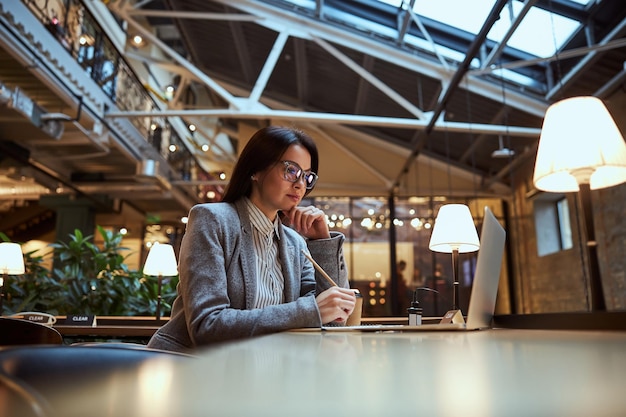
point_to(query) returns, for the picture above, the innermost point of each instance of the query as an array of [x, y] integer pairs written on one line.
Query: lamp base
[[453, 316]]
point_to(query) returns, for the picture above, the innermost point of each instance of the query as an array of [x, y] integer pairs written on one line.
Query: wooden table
[[501, 372], [143, 328], [136, 329], [118, 331]]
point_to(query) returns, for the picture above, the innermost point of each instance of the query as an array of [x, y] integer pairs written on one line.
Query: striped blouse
[[270, 281]]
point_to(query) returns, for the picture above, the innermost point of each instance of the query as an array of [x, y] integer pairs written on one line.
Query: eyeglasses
[[293, 173]]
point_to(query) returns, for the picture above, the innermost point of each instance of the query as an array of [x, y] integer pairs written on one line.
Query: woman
[[242, 271]]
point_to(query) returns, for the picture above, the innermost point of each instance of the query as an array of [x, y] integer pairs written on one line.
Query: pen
[[320, 270]]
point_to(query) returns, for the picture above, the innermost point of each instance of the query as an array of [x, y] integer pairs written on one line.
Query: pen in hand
[[328, 278]]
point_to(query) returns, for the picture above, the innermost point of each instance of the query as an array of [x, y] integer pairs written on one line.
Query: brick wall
[[558, 282], [610, 222]]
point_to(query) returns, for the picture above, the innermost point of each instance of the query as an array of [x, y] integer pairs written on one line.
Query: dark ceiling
[[315, 70], [379, 106]]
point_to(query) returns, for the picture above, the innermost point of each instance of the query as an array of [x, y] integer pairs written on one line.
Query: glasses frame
[[302, 174]]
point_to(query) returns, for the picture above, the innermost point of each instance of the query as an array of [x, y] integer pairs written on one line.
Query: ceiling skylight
[[537, 26], [539, 33]]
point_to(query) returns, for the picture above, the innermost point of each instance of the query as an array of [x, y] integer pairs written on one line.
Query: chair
[[44, 381], [15, 331]]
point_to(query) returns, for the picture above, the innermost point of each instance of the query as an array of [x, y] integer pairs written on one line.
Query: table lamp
[[11, 263], [454, 232], [581, 149], [160, 262]]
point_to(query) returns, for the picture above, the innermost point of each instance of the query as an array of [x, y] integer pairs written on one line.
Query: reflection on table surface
[[487, 373]]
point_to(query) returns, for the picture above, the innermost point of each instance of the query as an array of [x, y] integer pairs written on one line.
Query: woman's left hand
[[309, 221]]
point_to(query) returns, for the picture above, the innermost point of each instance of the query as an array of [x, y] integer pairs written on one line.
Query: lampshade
[[579, 144], [161, 261], [454, 229], [11, 259]]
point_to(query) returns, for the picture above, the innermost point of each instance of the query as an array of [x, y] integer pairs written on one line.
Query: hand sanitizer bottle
[[415, 313]]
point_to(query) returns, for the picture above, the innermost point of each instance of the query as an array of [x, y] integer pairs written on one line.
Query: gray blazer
[[217, 284]]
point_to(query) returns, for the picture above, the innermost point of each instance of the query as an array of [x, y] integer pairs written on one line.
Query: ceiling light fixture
[[137, 40], [502, 151]]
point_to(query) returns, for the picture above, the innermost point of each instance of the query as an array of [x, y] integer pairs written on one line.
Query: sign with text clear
[[80, 320], [37, 317]]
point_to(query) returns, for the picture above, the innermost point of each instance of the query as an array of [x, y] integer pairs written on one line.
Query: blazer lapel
[[287, 259], [246, 255]]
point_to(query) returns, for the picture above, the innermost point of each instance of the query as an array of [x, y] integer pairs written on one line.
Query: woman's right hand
[[336, 304]]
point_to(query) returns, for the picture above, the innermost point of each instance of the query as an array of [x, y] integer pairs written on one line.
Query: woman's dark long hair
[[264, 149]]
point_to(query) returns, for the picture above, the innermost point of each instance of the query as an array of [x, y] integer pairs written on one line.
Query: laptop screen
[[485, 288]]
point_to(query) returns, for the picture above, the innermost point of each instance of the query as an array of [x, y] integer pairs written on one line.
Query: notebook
[[484, 291]]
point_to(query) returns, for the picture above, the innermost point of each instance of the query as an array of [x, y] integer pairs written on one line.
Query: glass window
[[552, 224], [366, 223], [565, 229]]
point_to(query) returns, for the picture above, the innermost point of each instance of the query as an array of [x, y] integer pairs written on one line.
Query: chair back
[[14, 331], [50, 381]]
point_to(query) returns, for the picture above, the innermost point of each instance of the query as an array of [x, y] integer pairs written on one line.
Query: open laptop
[[484, 290]]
